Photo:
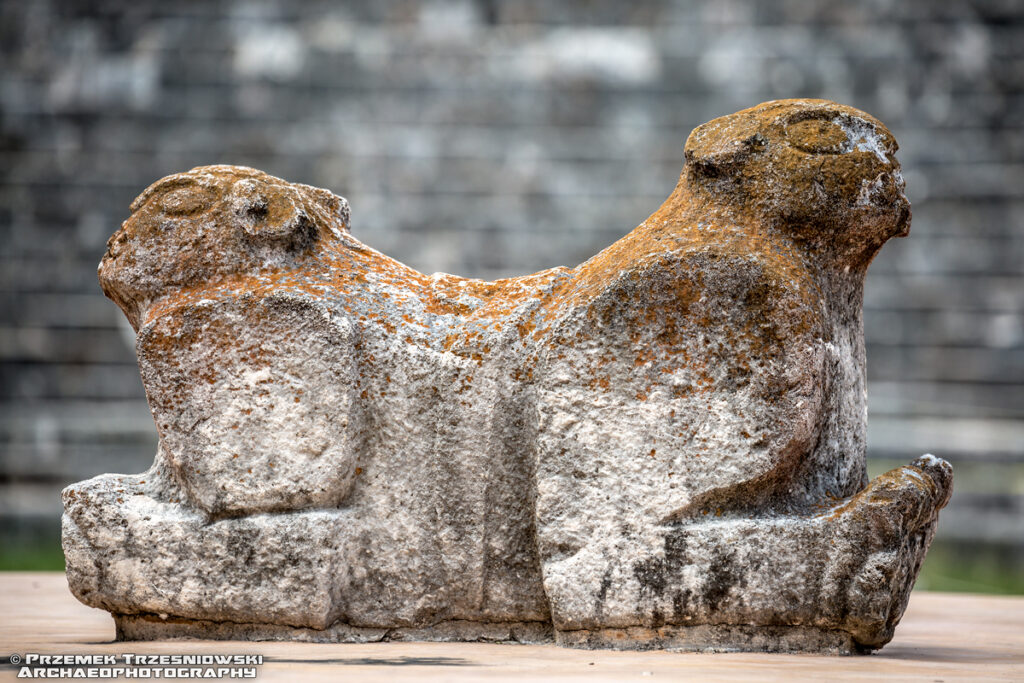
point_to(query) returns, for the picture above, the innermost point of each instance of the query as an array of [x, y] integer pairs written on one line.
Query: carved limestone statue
[[662, 447]]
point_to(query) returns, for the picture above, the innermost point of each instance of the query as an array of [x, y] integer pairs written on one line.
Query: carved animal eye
[[186, 201], [818, 136]]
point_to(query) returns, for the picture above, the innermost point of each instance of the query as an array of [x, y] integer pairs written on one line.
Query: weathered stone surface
[[662, 447]]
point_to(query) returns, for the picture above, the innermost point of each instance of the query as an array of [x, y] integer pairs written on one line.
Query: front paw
[[900, 502], [891, 523]]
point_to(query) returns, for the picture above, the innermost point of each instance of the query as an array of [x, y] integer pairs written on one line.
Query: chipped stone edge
[[154, 627], [698, 638], [717, 638]]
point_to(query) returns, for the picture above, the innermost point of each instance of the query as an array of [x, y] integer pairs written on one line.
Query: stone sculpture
[[662, 447]]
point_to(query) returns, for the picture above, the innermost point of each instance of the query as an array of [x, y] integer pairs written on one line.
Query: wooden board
[[943, 637]]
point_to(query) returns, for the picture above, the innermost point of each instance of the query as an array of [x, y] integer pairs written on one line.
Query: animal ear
[[335, 207], [266, 211], [719, 147]]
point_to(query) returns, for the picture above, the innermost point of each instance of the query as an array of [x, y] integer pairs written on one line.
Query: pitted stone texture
[[159, 627], [274, 380], [662, 447], [164, 558]]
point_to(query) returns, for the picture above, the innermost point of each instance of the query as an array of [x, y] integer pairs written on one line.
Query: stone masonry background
[[489, 139]]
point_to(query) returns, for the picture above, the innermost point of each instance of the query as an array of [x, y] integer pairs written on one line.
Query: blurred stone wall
[[491, 138]]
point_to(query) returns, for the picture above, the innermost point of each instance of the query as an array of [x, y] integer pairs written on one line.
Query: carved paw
[[890, 525]]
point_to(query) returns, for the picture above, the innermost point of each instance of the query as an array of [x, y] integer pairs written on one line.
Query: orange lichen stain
[[695, 226], [270, 464], [525, 327], [235, 456], [653, 452], [296, 399], [359, 470]]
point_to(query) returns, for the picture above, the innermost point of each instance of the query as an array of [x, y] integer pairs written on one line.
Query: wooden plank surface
[[943, 637]]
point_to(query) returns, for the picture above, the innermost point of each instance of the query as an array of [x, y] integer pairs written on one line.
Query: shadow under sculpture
[[663, 447]]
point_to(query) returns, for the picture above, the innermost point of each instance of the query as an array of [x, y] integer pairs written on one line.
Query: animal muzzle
[[903, 218]]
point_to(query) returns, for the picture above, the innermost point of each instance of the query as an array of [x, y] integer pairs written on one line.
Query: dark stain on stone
[[722, 576], [651, 574], [602, 593]]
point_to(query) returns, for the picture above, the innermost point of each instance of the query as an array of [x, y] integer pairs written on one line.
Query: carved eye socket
[[818, 136], [186, 201]]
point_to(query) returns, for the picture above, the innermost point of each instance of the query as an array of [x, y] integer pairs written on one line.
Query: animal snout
[[114, 245], [903, 218], [897, 190]]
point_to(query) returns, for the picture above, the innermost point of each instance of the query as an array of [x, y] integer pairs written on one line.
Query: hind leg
[[834, 580]]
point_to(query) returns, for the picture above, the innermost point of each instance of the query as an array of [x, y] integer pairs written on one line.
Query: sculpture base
[[152, 627], [716, 638], [699, 638], [834, 580]]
